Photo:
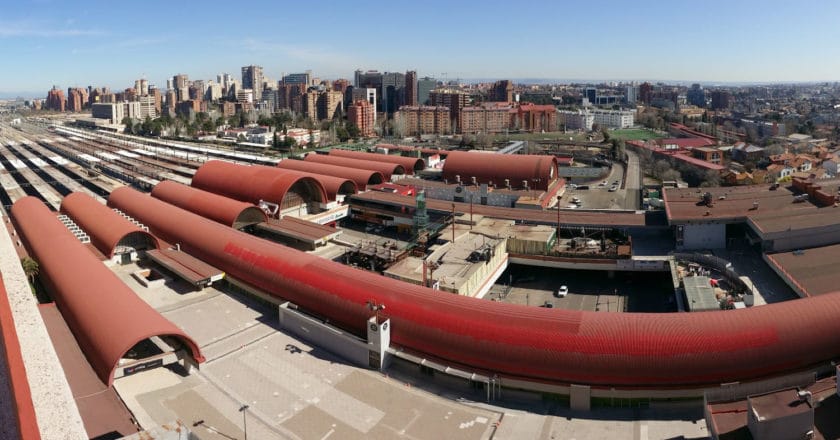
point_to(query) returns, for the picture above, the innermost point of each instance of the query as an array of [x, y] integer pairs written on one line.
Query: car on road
[[576, 200], [604, 183], [613, 188], [582, 187], [561, 292], [572, 186], [572, 206]]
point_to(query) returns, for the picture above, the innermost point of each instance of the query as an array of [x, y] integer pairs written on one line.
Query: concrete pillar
[[580, 397], [379, 339]]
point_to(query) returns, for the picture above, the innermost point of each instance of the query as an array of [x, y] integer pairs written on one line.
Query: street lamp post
[[242, 409], [558, 219]]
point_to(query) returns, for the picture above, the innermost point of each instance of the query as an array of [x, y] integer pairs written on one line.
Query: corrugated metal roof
[[107, 318], [363, 178], [105, 227], [538, 171], [410, 164], [252, 183], [387, 169], [561, 346], [218, 208]]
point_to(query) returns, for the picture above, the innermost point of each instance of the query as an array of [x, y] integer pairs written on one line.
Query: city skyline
[[750, 42]]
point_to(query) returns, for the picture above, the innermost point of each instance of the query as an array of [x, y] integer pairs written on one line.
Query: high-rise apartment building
[[423, 119], [330, 104], [288, 95], [367, 94], [76, 99], [488, 118], [141, 86], [646, 92], [411, 88], [363, 115], [252, 78], [453, 99], [55, 100], [180, 83], [309, 104], [147, 107]]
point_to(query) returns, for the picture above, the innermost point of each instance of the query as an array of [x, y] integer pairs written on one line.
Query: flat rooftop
[[783, 220], [549, 217], [813, 270], [293, 389], [734, 203]]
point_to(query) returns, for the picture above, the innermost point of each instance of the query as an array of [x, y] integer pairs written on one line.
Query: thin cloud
[[43, 29], [315, 56]]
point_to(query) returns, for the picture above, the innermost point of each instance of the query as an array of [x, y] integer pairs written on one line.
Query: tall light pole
[[557, 240], [242, 409]]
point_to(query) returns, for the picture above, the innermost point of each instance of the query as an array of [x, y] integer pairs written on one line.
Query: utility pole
[[453, 223], [242, 409]]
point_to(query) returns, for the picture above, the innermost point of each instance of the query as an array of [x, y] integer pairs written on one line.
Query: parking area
[[594, 291]]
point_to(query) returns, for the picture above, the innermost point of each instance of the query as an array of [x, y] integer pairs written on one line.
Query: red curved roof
[[106, 316], [411, 164], [539, 171], [18, 391], [105, 227], [334, 186], [218, 208], [252, 183], [362, 178], [387, 169], [612, 349]]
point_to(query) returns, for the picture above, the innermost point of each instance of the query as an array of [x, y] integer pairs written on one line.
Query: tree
[[711, 178], [129, 125], [342, 134], [353, 131], [606, 134], [30, 268]]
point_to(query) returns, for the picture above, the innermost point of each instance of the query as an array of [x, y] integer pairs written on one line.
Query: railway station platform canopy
[[108, 230], [387, 169], [107, 318], [410, 164], [218, 208], [362, 178], [257, 183]]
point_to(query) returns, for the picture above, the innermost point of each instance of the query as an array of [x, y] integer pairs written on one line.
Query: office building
[[696, 95], [720, 100], [180, 84], [214, 92], [424, 86], [245, 95], [362, 114], [614, 118], [411, 88], [252, 78], [502, 91], [575, 119], [288, 95], [113, 112], [393, 89], [298, 78]]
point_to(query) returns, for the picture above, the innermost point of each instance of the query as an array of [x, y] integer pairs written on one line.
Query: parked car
[[561, 292], [604, 183], [613, 188], [572, 186], [548, 305]]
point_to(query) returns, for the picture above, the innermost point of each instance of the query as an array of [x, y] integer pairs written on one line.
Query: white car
[[604, 183], [613, 188], [562, 292]]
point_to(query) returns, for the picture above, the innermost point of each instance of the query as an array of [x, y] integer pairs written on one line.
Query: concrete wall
[[704, 236], [331, 339], [801, 238], [56, 410]]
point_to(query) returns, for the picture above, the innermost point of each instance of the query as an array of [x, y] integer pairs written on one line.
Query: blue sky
[[112, 43]]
